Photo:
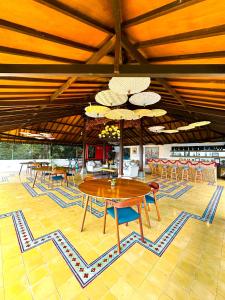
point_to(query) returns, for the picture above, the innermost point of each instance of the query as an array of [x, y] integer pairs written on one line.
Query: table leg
[[20, 169], [85, 211], [34, 179], [146, 212]]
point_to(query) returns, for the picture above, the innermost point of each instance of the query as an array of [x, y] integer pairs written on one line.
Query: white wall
[[165, 150], [14, 165]]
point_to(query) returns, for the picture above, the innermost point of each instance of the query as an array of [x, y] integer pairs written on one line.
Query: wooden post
[[141, 153], [121, 148], [83, 170], [104, 153]]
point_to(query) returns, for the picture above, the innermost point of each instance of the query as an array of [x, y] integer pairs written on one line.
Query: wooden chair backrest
[[36, 165], [58, 172], [154, 187], [126, 203]]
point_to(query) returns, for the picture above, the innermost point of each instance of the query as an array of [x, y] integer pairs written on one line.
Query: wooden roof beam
[[106, 47], [200, 110], [143, 61], [107, 70], [214, 54], [26, 53], [185, 36], [44, 35], [158, 12], [72, 12], [116, 6]]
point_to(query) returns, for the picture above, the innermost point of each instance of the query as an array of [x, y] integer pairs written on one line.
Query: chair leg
[[146, 212], [117, 230], [83, 200], [157, 210], [91, 205], [149, 207], [105, 214], [140, 224], [85, 211]]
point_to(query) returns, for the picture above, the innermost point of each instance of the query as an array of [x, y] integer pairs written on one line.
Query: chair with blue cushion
[[58, 175], [123, 213], [152, 199]]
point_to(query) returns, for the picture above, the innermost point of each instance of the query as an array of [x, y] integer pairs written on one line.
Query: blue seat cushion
[[57, 177], [125, 214], [149, 199]]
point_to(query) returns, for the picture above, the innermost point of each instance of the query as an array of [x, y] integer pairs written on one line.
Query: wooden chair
[[152, 200], [198, 174], [155, 169], [58, 175], [164, 172], [123, 213], [185, 175], [34, 165], [174, 173]]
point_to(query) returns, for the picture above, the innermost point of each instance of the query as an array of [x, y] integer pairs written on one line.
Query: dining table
[[30, 163], [123, 189]]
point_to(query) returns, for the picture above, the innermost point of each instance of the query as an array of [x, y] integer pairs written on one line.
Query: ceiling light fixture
[[121, 114], [156, 128], [144, 98], [129, 85], [96, 111], [109, 98]]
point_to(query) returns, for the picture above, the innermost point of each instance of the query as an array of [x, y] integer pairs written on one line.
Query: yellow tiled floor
[[192, 267]]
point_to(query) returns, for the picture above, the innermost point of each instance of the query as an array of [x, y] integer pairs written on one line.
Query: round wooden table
[[124, 189]]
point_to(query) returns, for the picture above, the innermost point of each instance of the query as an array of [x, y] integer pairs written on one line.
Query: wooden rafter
[[116, 5], [71, 12], [26, 53], [203, 55], [106, 47], [181, 37], [143, 61], [107, 70], [158, 12], [44, 35]]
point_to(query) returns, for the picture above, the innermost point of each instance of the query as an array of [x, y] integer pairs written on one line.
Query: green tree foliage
[[38, 151], [6, 151]]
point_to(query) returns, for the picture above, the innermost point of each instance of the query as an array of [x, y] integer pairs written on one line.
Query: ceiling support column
[[141, 150], [104, 153], [84, 170], [121, 148]]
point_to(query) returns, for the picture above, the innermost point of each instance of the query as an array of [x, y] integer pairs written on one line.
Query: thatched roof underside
[[160, 35]]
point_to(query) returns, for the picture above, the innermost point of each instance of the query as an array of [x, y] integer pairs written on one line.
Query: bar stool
[[164, 172], [174, 174], [198, 174], [185, 173], [154, 169]]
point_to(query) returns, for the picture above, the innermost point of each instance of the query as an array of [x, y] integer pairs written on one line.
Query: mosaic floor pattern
[[170, 256]]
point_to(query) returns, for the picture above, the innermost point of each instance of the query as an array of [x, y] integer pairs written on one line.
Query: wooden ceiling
[[57, 54]]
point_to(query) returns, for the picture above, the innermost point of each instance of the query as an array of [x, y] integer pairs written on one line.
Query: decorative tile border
[[4, 179], [86, 273], [60, 202]]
